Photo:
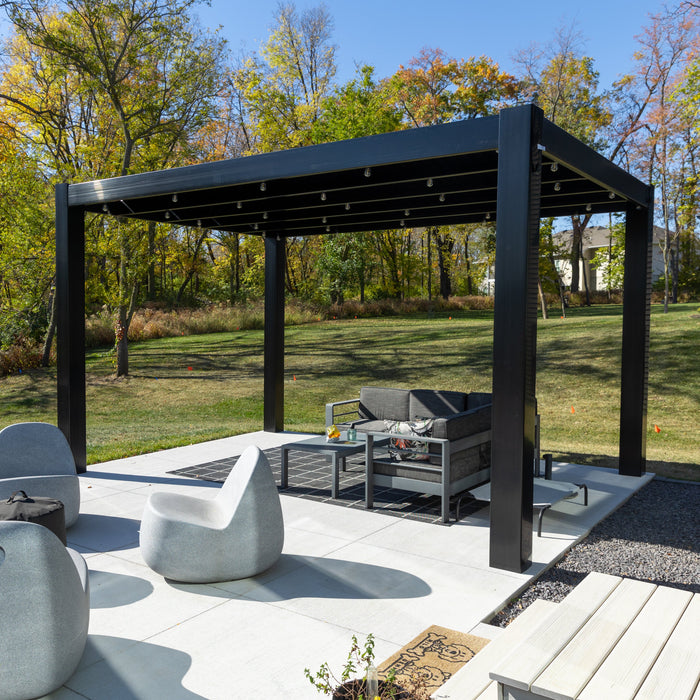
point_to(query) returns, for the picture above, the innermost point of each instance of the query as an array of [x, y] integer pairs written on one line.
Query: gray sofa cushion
[[478, 398], [428, 403], [378, 403], [463, 424]]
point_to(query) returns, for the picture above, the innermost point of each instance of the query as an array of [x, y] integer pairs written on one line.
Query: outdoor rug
[[309, 477], [434, 655]]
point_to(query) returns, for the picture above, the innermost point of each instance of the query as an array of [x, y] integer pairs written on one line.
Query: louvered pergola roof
[[439, 175]]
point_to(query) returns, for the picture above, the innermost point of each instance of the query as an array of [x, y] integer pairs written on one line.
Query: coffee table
[[337, 451]]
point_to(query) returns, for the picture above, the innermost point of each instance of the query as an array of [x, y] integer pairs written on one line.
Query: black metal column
[[70, 325], [274, 334], [515, 337], [635, 340]]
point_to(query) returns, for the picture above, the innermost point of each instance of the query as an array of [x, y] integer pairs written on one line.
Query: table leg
[[336, 476], [284, 468]]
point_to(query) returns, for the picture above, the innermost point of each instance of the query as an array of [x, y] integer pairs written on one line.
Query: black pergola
[[515, 167]]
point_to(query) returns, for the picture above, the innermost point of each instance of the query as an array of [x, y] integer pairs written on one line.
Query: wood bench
[[609, 638]]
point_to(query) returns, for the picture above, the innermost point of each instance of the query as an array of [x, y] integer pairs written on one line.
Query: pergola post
[[635, 340], [70, 317], [274, 334], [515, 337]]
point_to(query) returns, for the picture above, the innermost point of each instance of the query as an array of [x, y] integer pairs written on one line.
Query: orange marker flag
[[572, 410], [294, 377], [657, 429]]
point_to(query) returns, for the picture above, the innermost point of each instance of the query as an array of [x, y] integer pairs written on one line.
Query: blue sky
[[387, 33]]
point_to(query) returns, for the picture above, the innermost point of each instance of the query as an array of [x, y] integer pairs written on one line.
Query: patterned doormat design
[[435, 654], [310, 477]]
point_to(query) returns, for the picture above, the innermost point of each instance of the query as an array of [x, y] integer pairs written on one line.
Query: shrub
[[21, 356]]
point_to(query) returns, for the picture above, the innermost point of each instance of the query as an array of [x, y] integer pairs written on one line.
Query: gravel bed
[[655, 537]]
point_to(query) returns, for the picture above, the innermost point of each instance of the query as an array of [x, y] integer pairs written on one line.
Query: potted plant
[[359, 660]]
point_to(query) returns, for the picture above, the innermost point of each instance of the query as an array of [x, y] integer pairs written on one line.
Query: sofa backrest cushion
[[379, 403], [478, 398], [428, 403], [462, 425]]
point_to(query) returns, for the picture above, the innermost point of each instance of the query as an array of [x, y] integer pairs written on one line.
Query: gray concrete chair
[[44, 610], [36, 458], [237, 534]]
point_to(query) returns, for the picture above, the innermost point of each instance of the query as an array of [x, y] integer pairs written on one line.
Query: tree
[[359, 108], [150, 72], [658, 143], [281, 94], [564, 84], [611, 261], [435, 89]]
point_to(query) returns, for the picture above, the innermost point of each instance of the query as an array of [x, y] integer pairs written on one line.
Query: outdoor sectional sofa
[[440, 445]]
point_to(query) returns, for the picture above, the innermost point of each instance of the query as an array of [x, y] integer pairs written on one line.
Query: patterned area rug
[[435, 654], [310, 477]]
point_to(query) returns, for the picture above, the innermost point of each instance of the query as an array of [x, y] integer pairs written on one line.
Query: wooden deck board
[[677, 670], [529, 659], [625, 669], [570, 671]]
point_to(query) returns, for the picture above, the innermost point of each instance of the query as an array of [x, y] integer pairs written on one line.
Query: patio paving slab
[[342, 571]]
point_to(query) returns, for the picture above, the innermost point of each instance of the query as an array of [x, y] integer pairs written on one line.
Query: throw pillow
[[404, 448]]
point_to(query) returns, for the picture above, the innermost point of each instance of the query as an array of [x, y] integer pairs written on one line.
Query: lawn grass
[[193, 388]]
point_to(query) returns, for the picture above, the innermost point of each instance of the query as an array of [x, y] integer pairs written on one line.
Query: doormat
[[435, 654]]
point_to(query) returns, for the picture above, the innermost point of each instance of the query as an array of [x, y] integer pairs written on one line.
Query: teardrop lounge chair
[[44, 608], [237, 534], [36, 458]]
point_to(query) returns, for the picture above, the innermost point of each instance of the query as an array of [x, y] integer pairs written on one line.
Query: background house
[[597, 238]]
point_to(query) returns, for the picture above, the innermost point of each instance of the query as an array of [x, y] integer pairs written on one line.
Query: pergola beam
[[442, 141]]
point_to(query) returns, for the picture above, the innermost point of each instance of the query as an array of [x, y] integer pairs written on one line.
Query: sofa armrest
[[332, 415]]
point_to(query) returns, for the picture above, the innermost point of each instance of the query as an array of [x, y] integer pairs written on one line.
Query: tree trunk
[[585, 278], [51, 331], [575, 253], [444, 248], [151, 260], [191, 271], [543, 301], [468, 265], [675, 267], [122, 328], [430, 267]]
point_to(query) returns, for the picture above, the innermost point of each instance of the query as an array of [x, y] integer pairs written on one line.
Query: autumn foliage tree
[[435, 89], [147, 75]]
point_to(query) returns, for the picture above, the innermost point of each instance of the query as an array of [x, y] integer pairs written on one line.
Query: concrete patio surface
[[342, 571]]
